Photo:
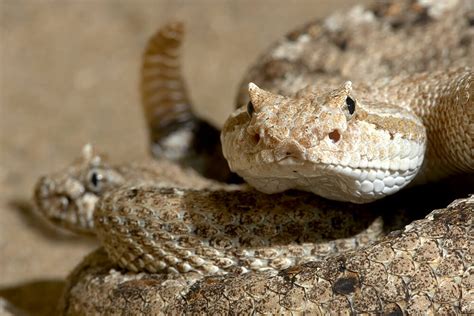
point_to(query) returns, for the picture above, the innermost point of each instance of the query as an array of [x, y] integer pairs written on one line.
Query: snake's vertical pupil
[[250, 108], [350, 105], [95, 179]]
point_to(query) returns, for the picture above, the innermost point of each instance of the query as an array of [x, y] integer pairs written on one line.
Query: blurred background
[[69, 75]]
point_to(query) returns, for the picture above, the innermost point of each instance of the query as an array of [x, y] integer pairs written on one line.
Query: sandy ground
[[69, 75]]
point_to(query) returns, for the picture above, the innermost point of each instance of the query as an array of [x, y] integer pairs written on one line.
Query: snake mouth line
[[359, 172], [405, 165]]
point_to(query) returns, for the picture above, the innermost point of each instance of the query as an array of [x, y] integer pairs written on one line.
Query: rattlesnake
[[201, 232]]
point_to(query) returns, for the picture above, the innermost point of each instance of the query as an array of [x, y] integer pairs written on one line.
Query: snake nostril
[[335, 136]]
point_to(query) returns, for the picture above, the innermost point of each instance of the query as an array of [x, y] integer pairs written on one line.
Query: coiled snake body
[[349, 118]]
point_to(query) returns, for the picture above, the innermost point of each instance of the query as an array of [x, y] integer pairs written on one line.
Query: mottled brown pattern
[[354, 282], [67, 198], [207, 240], [229, 230], [401, 38], [175, 132], [410, 77]]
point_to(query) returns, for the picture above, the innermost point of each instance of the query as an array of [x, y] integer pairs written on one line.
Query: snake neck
[[444, 101]]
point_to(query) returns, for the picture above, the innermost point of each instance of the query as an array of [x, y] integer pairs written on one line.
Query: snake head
[[326, 141], [290, 125], [67, 198]]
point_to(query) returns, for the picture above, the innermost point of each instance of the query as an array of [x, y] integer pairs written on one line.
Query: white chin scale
[[335, 182]]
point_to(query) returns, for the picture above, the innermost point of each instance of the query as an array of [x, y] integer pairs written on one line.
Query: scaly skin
[[68, 197], [407, 270], [176, 133], [161, 200], [145, 228], [315, 142], [424, 269]]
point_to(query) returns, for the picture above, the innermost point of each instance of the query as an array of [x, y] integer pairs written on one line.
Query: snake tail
[[175, 132], [165, 100]]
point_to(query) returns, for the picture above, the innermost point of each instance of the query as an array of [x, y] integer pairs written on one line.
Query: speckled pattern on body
[[361, 104], [206, 239], [425, 268], [219, 231]]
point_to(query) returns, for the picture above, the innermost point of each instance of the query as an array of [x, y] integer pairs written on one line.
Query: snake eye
[[250, 108], [351, 105], [95, 180]]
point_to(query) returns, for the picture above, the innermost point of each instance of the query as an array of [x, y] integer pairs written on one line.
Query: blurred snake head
[[67, 198], [326, 141]]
